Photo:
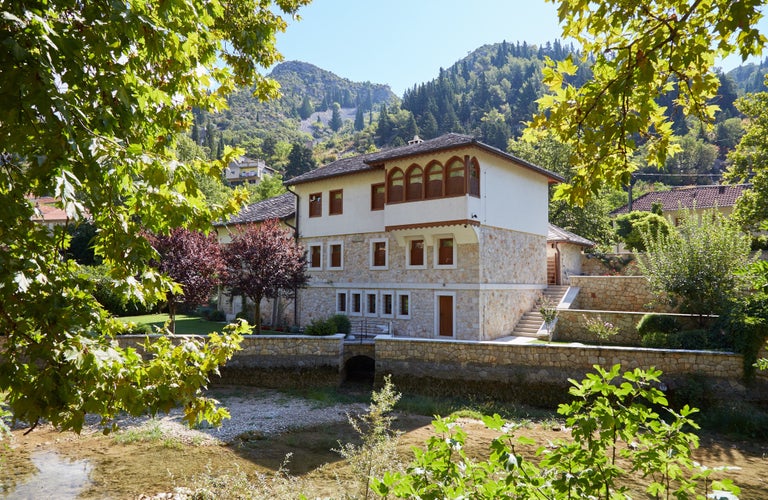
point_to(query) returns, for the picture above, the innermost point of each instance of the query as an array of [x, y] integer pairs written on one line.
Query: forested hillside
[[490, 94]]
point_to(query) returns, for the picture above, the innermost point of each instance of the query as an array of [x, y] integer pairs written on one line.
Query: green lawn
[[185, 325]]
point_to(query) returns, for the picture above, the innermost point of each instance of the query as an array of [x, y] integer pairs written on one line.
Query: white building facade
[[445, 238]]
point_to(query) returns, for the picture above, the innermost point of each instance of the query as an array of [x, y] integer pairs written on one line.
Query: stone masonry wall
[[512, 257], [277, 361], [538, 373], [502, 309], [616, 293], [571, 325], [491, 291]]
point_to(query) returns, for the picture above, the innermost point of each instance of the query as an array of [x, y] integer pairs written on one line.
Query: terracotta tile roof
[[688, 196], [280, 207], [371, 161], [49, 212], [558, 234]]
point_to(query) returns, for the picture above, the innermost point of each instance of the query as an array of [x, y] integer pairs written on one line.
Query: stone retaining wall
[[571, 325], [616, 293], [278, 361], [539, 373]]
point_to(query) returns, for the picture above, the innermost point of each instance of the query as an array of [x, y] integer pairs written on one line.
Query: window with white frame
[[387, 305], [342, 298], [336, 255], [445, 252], [378, 258], [371, 304], [355, 303], [403, 305], [315, 257], [415, 253]]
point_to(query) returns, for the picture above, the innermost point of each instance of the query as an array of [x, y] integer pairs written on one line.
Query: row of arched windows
[[458, 177]]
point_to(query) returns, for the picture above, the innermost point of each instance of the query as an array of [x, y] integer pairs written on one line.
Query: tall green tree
[[640, 51], [268, 187], [300, 161], [749, 162], [92, 96], [696, 264], [359, 120], [336, 121], [306, 109]]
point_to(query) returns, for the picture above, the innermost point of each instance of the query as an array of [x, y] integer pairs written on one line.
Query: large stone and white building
[[444, 238]]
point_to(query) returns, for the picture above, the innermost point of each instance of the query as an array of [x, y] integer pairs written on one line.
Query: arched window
[[434, 179], [414, 183], [395, 186], [455, 182], [474, 177]]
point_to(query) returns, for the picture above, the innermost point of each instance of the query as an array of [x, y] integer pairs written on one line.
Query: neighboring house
[[564, 255], [47, 213], [246, 169], [281, 207], [444, 238], [723, 197]]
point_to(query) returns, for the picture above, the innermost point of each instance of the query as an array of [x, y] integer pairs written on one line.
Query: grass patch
[[324, 397], [151, 432], [471, 408], [185, 325]]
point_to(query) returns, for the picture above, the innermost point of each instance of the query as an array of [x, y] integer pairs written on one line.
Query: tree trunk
[[172, 315], [257, 309]]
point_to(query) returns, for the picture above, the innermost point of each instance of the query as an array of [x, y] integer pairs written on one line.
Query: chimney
[[416, 140]]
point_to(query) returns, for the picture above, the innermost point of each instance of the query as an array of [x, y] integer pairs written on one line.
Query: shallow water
[[55, 477]]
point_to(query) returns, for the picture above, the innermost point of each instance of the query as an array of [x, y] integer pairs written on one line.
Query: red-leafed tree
[[262, 261], [192, 260]]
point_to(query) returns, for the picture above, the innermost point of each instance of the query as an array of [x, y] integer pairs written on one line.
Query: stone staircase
[[531, 322]]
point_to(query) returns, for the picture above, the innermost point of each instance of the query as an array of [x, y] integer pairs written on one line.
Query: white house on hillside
[[246, 169], [444, 238]]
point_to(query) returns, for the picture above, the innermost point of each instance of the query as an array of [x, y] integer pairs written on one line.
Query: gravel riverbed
[[259, 411]]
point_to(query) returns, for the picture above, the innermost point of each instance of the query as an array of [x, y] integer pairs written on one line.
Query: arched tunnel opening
[[360, 370]]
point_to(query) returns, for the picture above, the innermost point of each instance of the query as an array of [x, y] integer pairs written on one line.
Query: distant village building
[[47, 213], [676, 201], [248, 170]]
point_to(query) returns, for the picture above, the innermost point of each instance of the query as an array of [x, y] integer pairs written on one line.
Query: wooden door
[[445, 315]]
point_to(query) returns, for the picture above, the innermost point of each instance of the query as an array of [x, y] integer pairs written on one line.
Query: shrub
[[656, 340], [692, 339], [603, 330], [321, 327], [609, 417], [657, 323], [343, 325], [217, 315], [135, 329], [203, 311], [633, 227]]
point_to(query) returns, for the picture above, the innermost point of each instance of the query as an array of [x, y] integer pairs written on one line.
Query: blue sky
[[406, 42]]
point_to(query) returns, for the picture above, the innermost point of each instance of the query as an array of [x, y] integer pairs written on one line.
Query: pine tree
[[359, 120], [306, 109], [384, 127], [336, 121]]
